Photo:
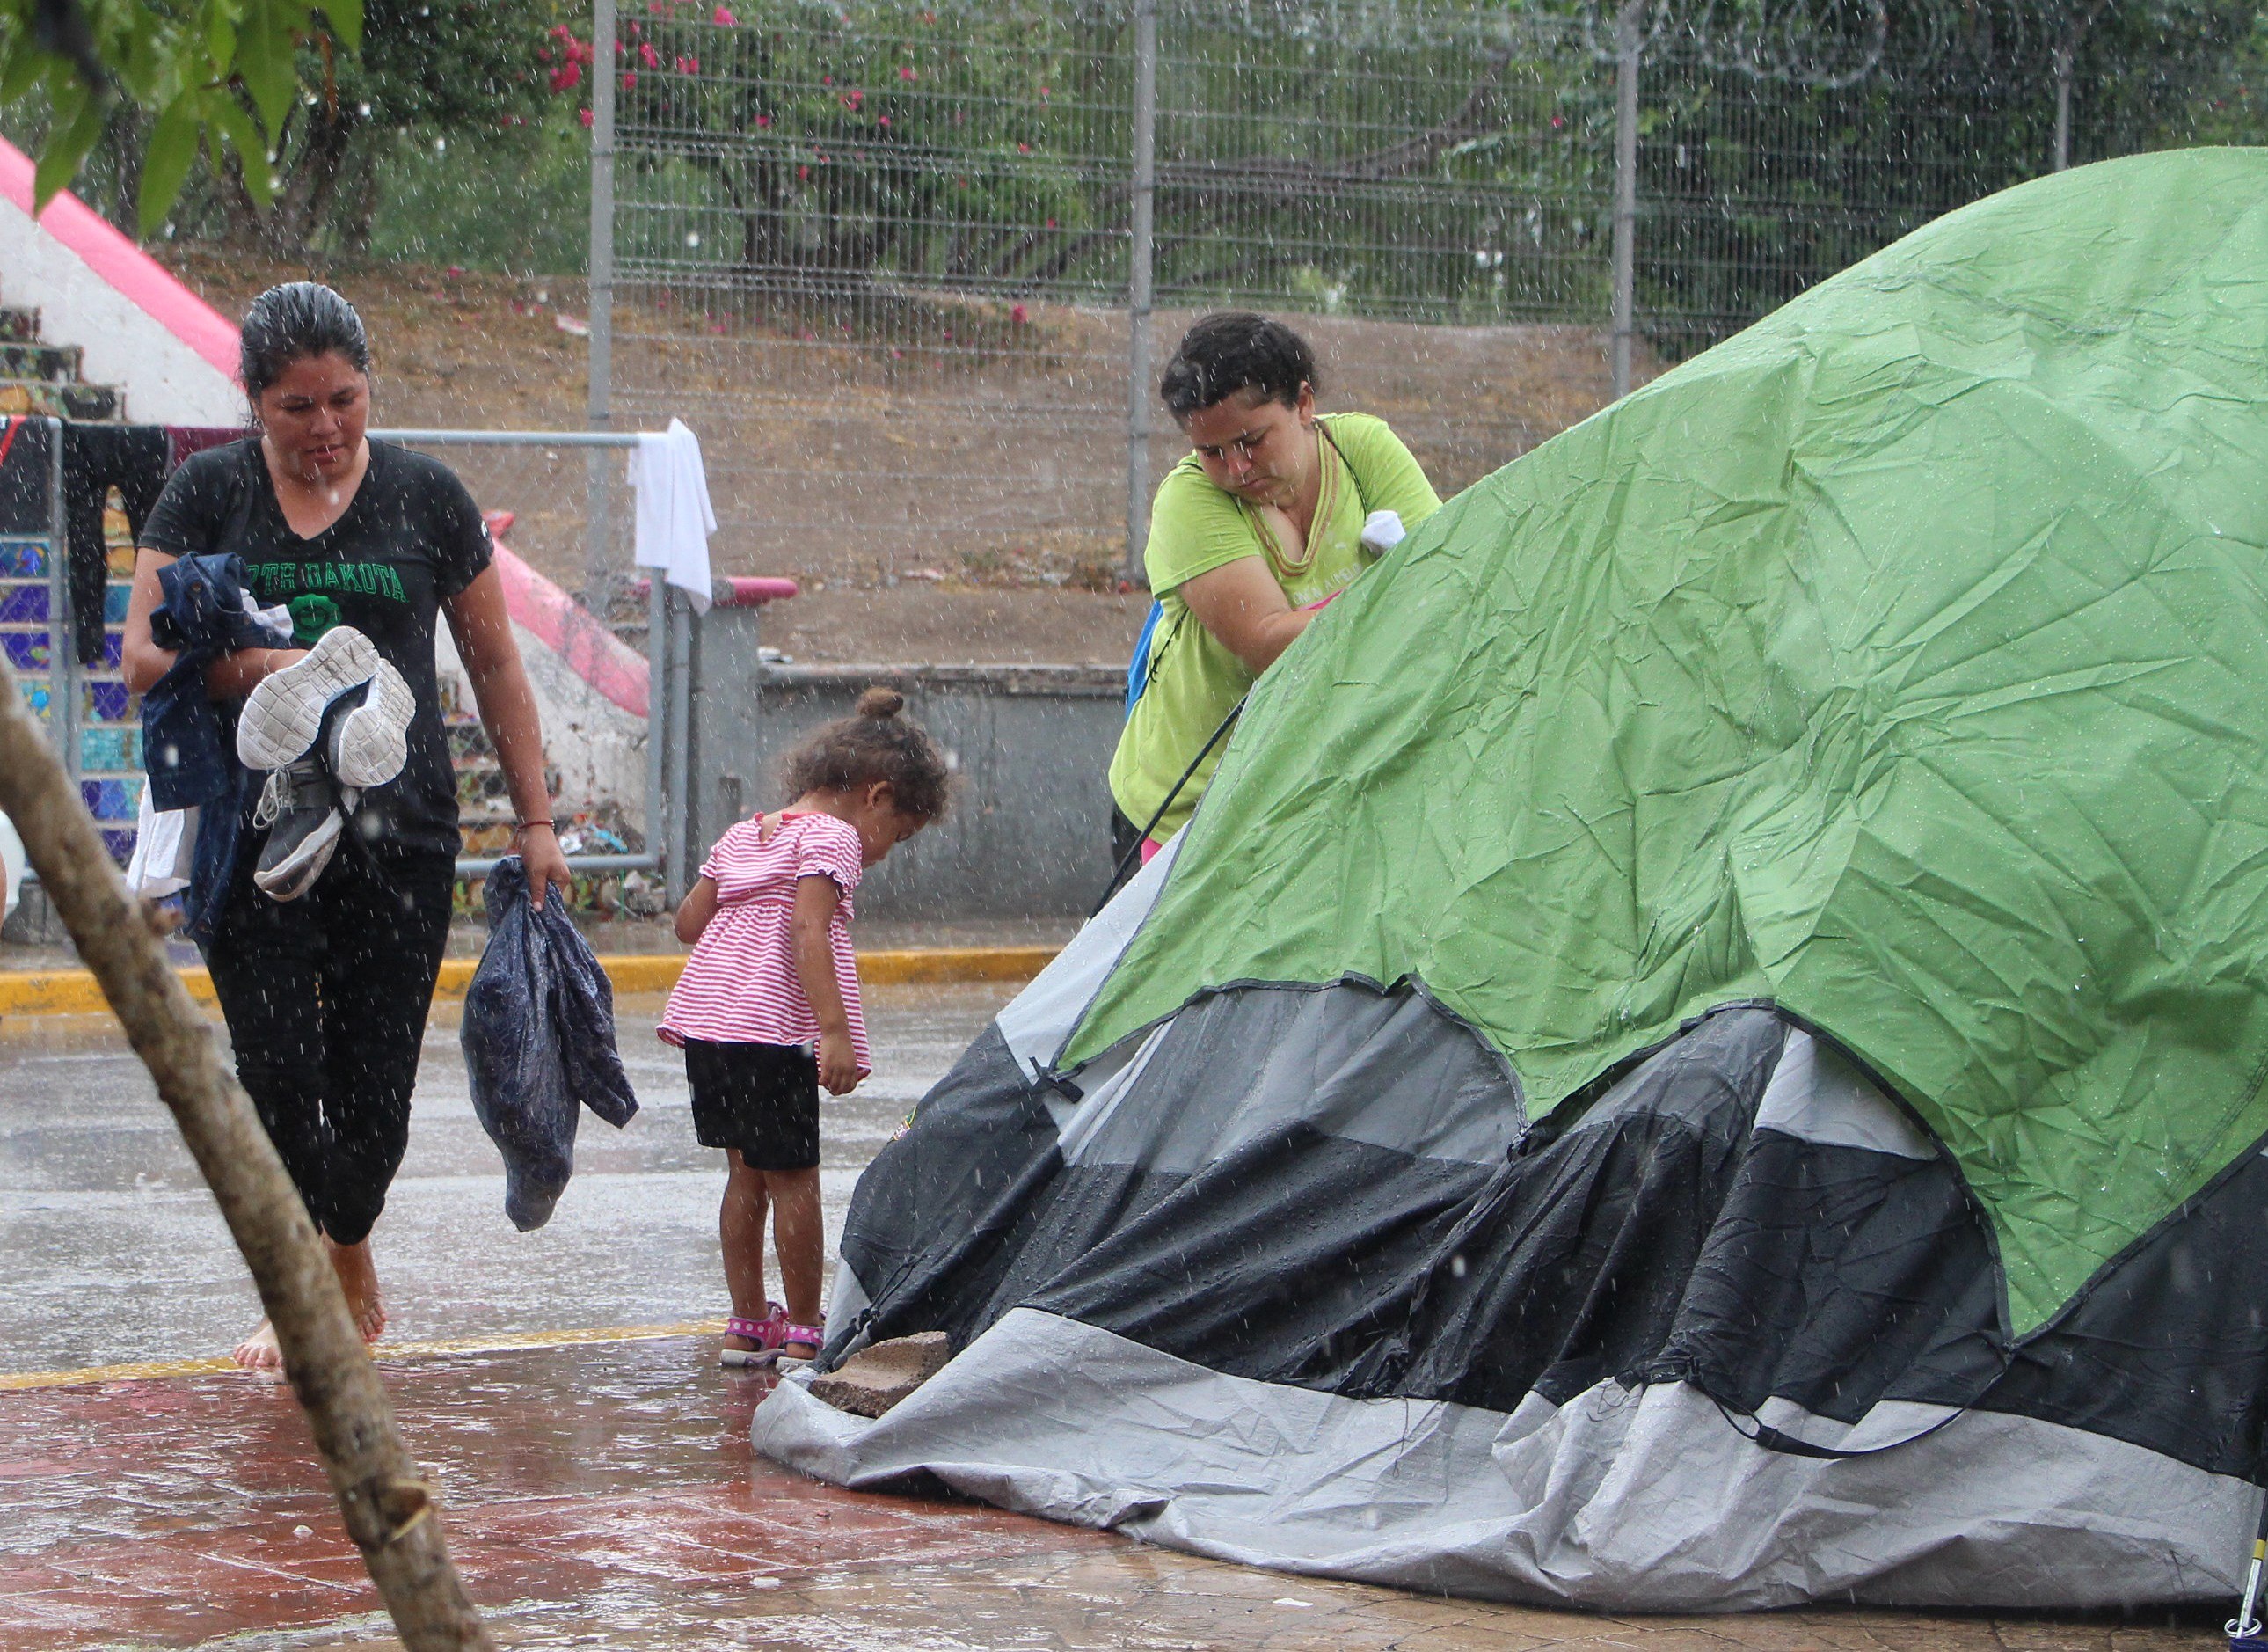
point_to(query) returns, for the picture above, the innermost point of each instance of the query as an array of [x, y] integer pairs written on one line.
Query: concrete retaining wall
[[1029, 835]]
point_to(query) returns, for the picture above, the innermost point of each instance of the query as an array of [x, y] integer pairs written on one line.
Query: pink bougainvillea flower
[[1557, 122], [647, 55], [566, 76], [763, 119], [629, 80], [688, 65], [803, 174], [1051, 224], [826, 80], [1018, 315], [1023, 149], [453, 271], [1044, 93], [885, 120], [723, 16], [906, 74], [586, 115]]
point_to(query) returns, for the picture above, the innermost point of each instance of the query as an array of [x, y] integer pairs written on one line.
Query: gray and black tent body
[[1706, 1047]]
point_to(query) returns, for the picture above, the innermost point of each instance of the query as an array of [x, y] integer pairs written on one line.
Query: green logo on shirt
[[310, 617]]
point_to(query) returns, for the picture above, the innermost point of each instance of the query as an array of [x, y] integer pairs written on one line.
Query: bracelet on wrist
[[526, 824]]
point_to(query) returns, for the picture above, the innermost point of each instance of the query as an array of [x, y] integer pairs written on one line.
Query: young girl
[[771, 976]]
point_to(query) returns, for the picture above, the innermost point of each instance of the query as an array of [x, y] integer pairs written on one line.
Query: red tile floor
[[604, 1494]]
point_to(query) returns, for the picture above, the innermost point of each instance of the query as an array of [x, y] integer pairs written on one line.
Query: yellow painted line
[[517, 1341], [138, 1372], [75, 993], [385, 1353]]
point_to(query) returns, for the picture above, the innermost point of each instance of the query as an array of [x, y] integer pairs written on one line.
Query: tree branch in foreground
[[389, 1511]]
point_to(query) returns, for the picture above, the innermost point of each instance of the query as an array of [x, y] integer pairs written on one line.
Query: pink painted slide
[[124, 265], [567, 628]]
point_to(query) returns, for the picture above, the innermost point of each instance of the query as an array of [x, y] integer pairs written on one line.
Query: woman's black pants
[[326, 999]]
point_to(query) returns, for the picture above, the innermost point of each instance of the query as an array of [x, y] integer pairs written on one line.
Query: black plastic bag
[[539, 1043]]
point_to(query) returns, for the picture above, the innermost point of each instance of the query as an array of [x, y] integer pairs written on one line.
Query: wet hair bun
[[874, 743], [291, 322]]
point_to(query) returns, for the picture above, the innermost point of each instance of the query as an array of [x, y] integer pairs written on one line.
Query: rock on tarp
[[1705, 1046]]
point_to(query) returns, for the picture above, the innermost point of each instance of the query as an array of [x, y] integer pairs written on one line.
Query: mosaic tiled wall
[[110, 720]]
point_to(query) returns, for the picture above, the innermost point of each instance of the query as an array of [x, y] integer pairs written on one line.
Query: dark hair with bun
[[293, 322], [875, 743], [1235, 350]]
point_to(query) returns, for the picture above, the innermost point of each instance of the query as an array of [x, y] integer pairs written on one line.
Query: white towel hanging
[[674, 516]]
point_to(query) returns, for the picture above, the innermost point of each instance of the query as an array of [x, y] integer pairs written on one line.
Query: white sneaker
[[284, 712], [370, 743]]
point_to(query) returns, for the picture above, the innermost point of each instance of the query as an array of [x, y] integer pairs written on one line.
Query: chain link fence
[[903, 263]]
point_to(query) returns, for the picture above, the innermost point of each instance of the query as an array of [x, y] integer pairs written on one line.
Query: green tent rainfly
[[1902, 661], [1702, 1049]]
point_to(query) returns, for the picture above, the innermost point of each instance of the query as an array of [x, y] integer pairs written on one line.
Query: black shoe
[[300, 806]]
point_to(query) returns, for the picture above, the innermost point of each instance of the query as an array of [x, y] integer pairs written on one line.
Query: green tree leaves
[[219, 74]]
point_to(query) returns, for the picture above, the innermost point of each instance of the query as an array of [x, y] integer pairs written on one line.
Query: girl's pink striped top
[[740, 985]]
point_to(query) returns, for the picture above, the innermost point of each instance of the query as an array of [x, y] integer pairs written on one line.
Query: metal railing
[[506, 470], [605, 568]]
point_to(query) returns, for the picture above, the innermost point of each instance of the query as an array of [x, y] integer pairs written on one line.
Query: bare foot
[[259, 1351], [358, 1277]]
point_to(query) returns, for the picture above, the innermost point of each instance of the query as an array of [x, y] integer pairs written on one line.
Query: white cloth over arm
[[675, 517], [166, 840], [164, 850]]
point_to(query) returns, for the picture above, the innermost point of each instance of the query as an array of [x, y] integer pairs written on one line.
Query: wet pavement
[[599, 1487], [117, 1254]]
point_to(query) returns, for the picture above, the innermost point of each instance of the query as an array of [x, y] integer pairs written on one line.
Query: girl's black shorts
[[760, 1099]]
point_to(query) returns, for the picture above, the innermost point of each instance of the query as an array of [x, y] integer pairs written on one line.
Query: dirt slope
[[942, 494]]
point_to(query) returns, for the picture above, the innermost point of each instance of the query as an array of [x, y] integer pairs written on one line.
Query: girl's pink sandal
[[812, 1337], [767, 1333]]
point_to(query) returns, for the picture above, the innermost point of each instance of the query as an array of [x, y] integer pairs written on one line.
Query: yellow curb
[[955, 963], [385, 1352], [74, 992]]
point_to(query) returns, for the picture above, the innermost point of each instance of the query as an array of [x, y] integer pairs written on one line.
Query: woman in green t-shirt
[[1249, 535]]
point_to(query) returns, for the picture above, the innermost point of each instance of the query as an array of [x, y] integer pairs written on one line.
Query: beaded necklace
[[1327, 493]]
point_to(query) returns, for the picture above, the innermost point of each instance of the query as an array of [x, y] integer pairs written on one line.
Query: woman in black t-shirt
[[326, 993]]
